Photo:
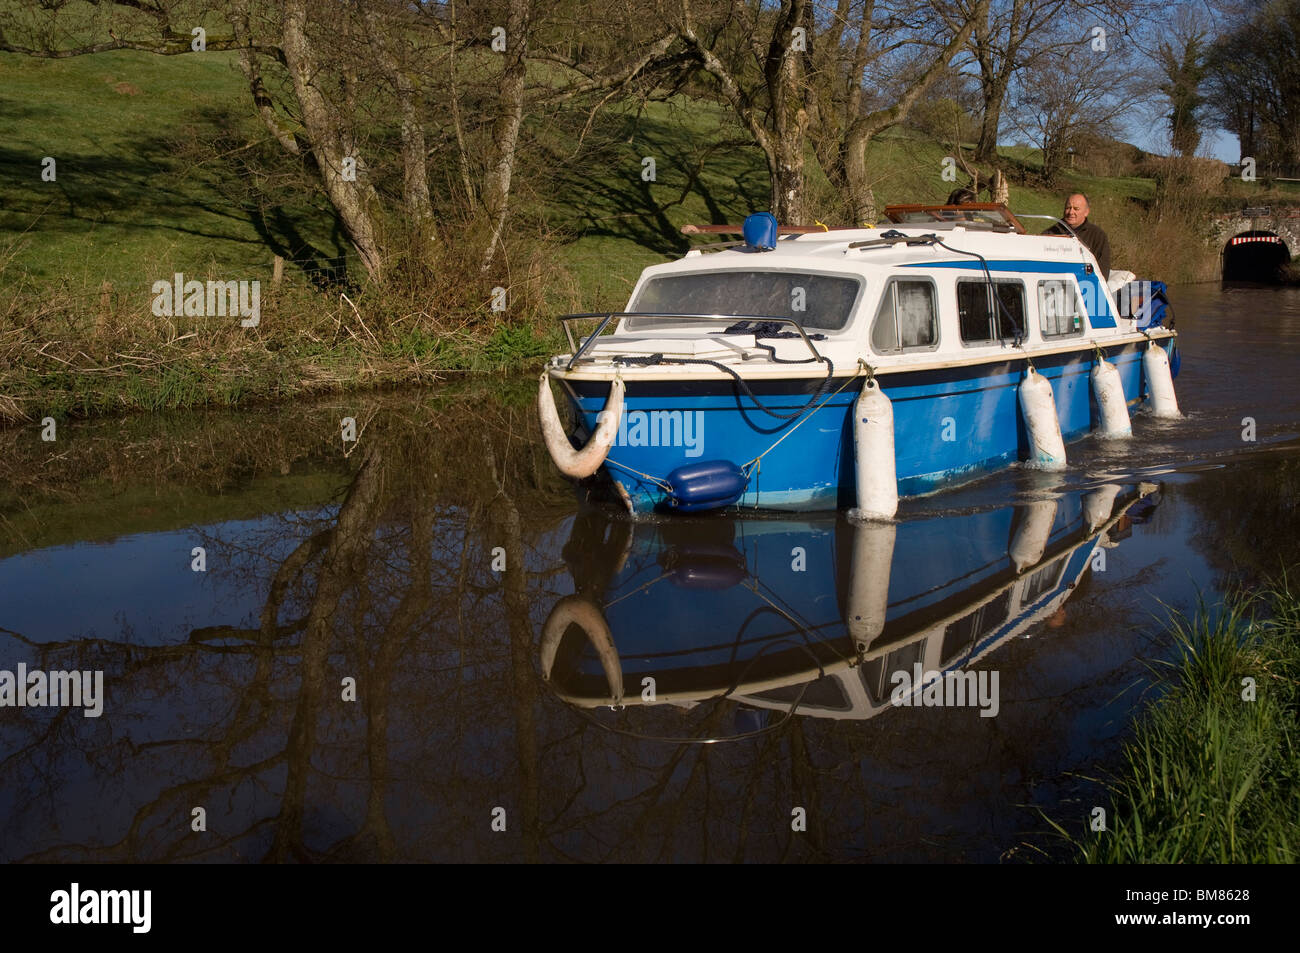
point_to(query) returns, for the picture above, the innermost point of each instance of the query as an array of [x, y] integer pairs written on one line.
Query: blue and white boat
[[810, 369]]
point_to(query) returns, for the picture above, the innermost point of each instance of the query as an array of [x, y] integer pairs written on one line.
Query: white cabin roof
[[831, 251]]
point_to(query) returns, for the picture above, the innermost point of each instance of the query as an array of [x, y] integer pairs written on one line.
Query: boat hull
[[951, 425]]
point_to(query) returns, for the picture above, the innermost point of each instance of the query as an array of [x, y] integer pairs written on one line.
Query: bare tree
[[885, 39], [798, 72], [361, 93], [1066, 95], [1012, 35], [597, 52], [771, 95]]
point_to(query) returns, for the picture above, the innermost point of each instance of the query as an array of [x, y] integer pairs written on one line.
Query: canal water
[[423, 645]]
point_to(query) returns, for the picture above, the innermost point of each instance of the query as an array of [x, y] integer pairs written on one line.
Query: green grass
[[127, 206], [1211, 776]]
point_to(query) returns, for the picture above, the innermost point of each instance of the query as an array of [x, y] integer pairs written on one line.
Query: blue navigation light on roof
[[760, 231]]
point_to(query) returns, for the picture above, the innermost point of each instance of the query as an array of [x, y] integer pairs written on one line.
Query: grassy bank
[[1212, 775], [62, 355], [150, 183]]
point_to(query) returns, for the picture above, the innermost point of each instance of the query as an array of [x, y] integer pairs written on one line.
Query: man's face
[[1076, 210]]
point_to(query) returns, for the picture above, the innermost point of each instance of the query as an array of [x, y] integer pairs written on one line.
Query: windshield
[[824, 302]]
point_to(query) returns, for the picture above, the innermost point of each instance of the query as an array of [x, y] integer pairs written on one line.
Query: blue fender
[[706, 486]]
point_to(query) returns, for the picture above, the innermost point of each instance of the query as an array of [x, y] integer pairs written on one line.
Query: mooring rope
[[662, 484], [744, 386], [745, 468]]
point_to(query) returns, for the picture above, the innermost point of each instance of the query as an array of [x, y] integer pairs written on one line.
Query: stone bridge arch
[[1253, 246]]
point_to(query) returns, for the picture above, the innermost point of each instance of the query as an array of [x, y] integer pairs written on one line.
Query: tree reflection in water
[[388, 579]]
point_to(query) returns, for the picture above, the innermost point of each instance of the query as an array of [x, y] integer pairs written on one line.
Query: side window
[[1059, 310], [1011, 317], [973, 312], [907, 318], [981, 320], [884, 330]]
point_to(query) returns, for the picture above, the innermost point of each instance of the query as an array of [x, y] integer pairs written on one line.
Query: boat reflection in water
[[814, 615]]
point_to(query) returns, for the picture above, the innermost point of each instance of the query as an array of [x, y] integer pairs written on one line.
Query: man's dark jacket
[[1093, 238]]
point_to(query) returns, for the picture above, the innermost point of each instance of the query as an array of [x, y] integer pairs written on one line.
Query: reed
[[1209, 775]]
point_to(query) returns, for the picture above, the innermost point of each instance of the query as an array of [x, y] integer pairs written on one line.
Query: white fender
[[584, 462], [579, 610], [868, 602], [1109, 391], [1098, 505], [873, 454], [1160, 382], [1046, 448], [1030, 541]]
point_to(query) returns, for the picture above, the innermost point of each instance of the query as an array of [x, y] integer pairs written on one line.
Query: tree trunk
[[786, 71], [787, 193], [415, 176], [505, 132], [328, 145], [1053, 156], [1000, 188], [996, 70], [986, 149], [863, 128], [857, 188]]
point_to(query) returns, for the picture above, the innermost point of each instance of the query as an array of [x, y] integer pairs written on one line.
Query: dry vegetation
[[82, 351]]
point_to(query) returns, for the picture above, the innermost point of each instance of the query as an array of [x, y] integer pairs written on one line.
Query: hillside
[[156, 175]]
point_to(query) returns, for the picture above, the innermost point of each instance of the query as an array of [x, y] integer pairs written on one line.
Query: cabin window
[[824, 302], [878, 673], [825, 693], [1041, 581], [1059, 310], [981, 320], [907, 318], [961, 636]]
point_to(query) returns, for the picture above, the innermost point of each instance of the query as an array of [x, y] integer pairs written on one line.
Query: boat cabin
[[946, 283]]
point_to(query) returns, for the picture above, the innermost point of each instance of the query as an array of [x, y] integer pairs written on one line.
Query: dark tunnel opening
[[1255, 256]]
